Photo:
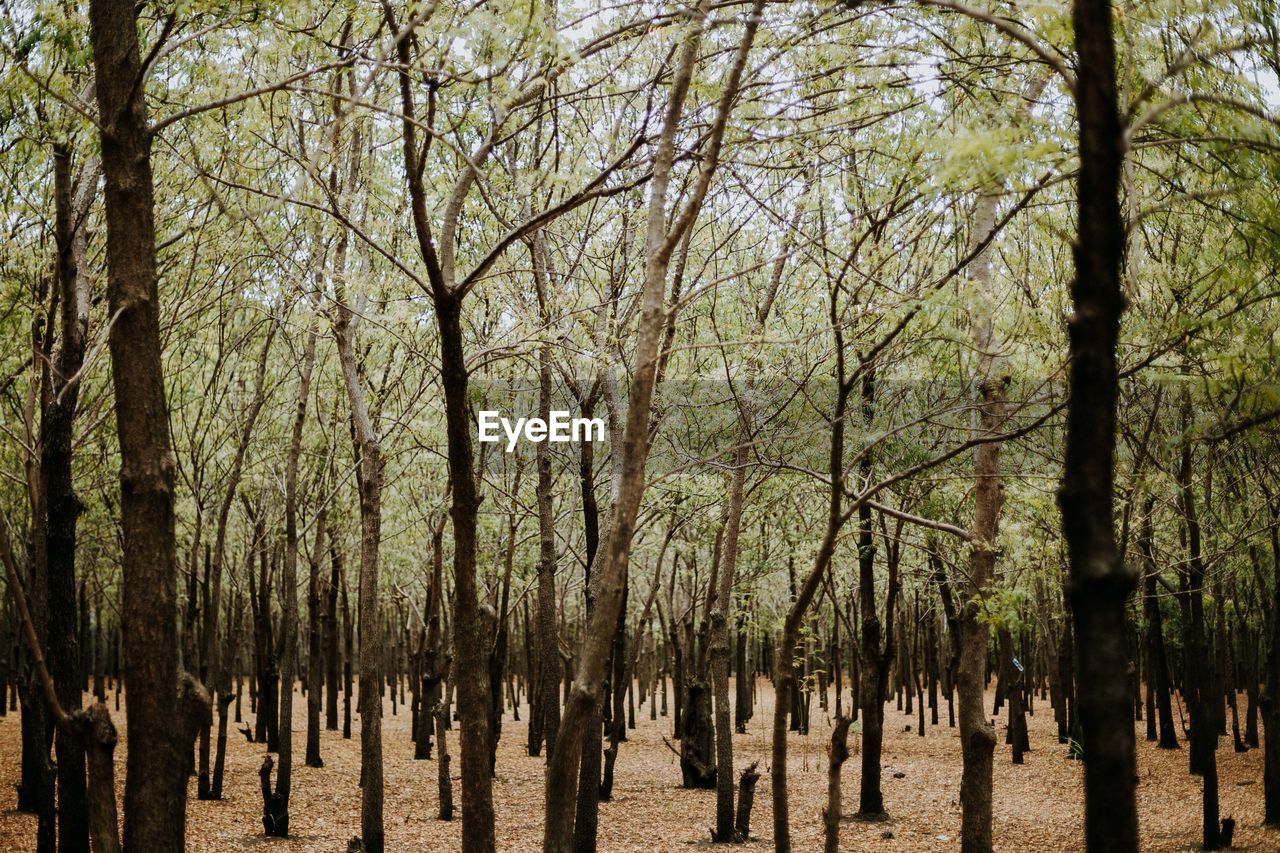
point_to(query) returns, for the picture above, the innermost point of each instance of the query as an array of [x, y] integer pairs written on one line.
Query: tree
[[1100, 583], [155, 783]]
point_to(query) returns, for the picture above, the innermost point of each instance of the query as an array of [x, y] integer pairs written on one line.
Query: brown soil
[[1038, 806]]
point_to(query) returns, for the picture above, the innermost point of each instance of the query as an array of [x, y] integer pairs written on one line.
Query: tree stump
[[275, 811], [746, 798]]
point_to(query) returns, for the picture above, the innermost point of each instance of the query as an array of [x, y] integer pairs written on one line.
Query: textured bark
[[977, 736], [548, 636], [837, 755], [444, 782], [1100, 583], [1202, 695], [1016, 734], [155, 786], [98, 734], [315, 647], [436, 659], [587, 814], [743, 708], [92, 728], [348, 654], [62, 506], [369, 485], [1271, 695], [877, 647], [697, 762], [470, 644], [876, 657], [289, 594], [275, 813], [267, 674], [784, 674], [332, 636], [746, 799], [36, 789]]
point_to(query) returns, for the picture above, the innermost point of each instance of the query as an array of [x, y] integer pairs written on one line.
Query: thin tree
[[61, 504], [1100, 583], [661, 239]]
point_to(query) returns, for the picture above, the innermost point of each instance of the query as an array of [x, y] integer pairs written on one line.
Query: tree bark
[[837, 755], [315, 646], [332, 637], [548, 636], [1203, 696], [61, 504], [369, 471], [1158, 663], [1271, 695], [1100, 583], [289, 592], [155, 785], [470, 646]]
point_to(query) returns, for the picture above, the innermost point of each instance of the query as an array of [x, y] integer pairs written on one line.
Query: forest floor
[[1038, 805]]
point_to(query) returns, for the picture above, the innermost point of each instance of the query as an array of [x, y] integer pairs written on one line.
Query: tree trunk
[[289, 591], [746, 799], [332, 655], [155, 786], [469, 643], [1203, 695], [587, 811], [660, 241], [721, 610], [548, 636], [61, 504], [1271, 695], [1100, 583], [837, 755], [1158, 663], [215, 666], [369, 485], [315, 649]]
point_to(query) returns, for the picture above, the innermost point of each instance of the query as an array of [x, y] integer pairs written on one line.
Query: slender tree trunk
[[970, 635], [660, 242], [548, 636], [61, 504], [837, 755], [469, 643], [1100, 583], [332, 636], [721, 610], [1271, 695], [215, 666], [1203, 695], [289, 592], [369, 470], [315, 650], [1158, 667], [587, 811]]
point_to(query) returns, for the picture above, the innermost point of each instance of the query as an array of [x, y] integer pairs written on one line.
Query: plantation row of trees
[[936, 344]]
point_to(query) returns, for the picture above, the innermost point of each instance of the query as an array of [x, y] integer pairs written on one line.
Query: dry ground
[[1037, 805]]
